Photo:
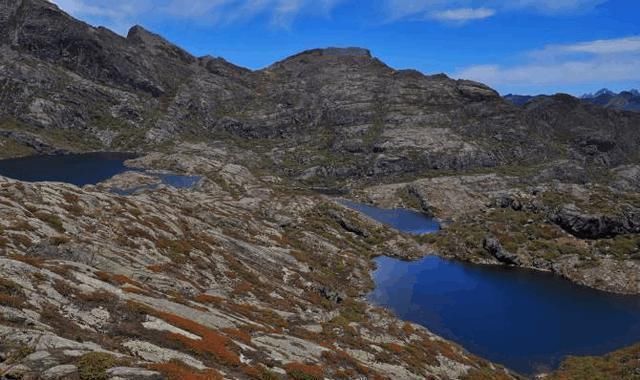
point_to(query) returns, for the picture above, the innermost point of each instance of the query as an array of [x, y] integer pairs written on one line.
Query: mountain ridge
[[320, 92], [361, 118], [628, 100]]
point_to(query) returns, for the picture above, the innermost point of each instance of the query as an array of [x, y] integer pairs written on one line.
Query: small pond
[[526, 320], [403, 220]]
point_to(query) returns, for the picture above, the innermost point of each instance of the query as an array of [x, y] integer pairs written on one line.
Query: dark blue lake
[[77, 169], [526, 320], [84, 169]]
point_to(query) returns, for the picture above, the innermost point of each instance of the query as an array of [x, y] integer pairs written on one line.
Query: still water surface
[[84, 169], [526, 320], [76, 169]]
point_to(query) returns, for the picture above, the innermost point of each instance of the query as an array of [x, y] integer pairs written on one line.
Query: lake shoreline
[[559, 282]]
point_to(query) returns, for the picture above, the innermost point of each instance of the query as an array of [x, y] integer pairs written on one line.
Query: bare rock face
[[65, 371], [133, 374], [493, 246], [627, 178], [590, 226]]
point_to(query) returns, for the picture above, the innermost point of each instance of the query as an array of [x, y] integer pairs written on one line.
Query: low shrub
[[34, 261], [53, 221], [239, 335], [176, 370], [94, 365], [98, 297], [11, 294], [211, 342], [12, 301], [21, 225], [302, 371], [22, 240], [59, 240], [621, 365]]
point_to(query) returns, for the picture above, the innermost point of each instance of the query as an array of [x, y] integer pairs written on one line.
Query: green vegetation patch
[[621, 365], [10, 148], [522, 232], [94, 365]]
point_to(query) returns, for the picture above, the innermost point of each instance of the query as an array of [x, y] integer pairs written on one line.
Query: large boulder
[[597, 226], [492, 245]]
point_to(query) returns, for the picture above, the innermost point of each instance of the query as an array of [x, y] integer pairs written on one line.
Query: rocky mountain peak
[[222, 67], [604, 91], [349, 55], [157, 44], [601, 92], [625, 100], [558, 101], [346, 52]]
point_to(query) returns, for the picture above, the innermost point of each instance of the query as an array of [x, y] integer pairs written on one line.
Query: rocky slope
[[250, 275], [237, 278]]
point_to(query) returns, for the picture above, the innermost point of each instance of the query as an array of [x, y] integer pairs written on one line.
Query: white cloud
[[117, 13], [567, 73], [552, 6], [597, 47], [463, 14], [557, 66], [398, 9], [466, 10]]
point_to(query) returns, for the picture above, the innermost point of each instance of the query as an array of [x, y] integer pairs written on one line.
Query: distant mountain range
[[625, 100]]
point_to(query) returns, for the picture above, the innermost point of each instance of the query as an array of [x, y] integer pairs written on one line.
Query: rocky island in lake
[[169, 216]]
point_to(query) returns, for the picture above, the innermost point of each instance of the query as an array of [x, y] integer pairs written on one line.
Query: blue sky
[[520, 46]]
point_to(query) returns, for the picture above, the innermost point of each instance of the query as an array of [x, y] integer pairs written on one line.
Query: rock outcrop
[[589, 226], [493, 246]]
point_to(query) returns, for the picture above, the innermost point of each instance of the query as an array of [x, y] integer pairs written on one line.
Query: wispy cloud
[[597, 47], [551, 6], [581, 63], [461, 15], [120, 14], [467, 10]]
